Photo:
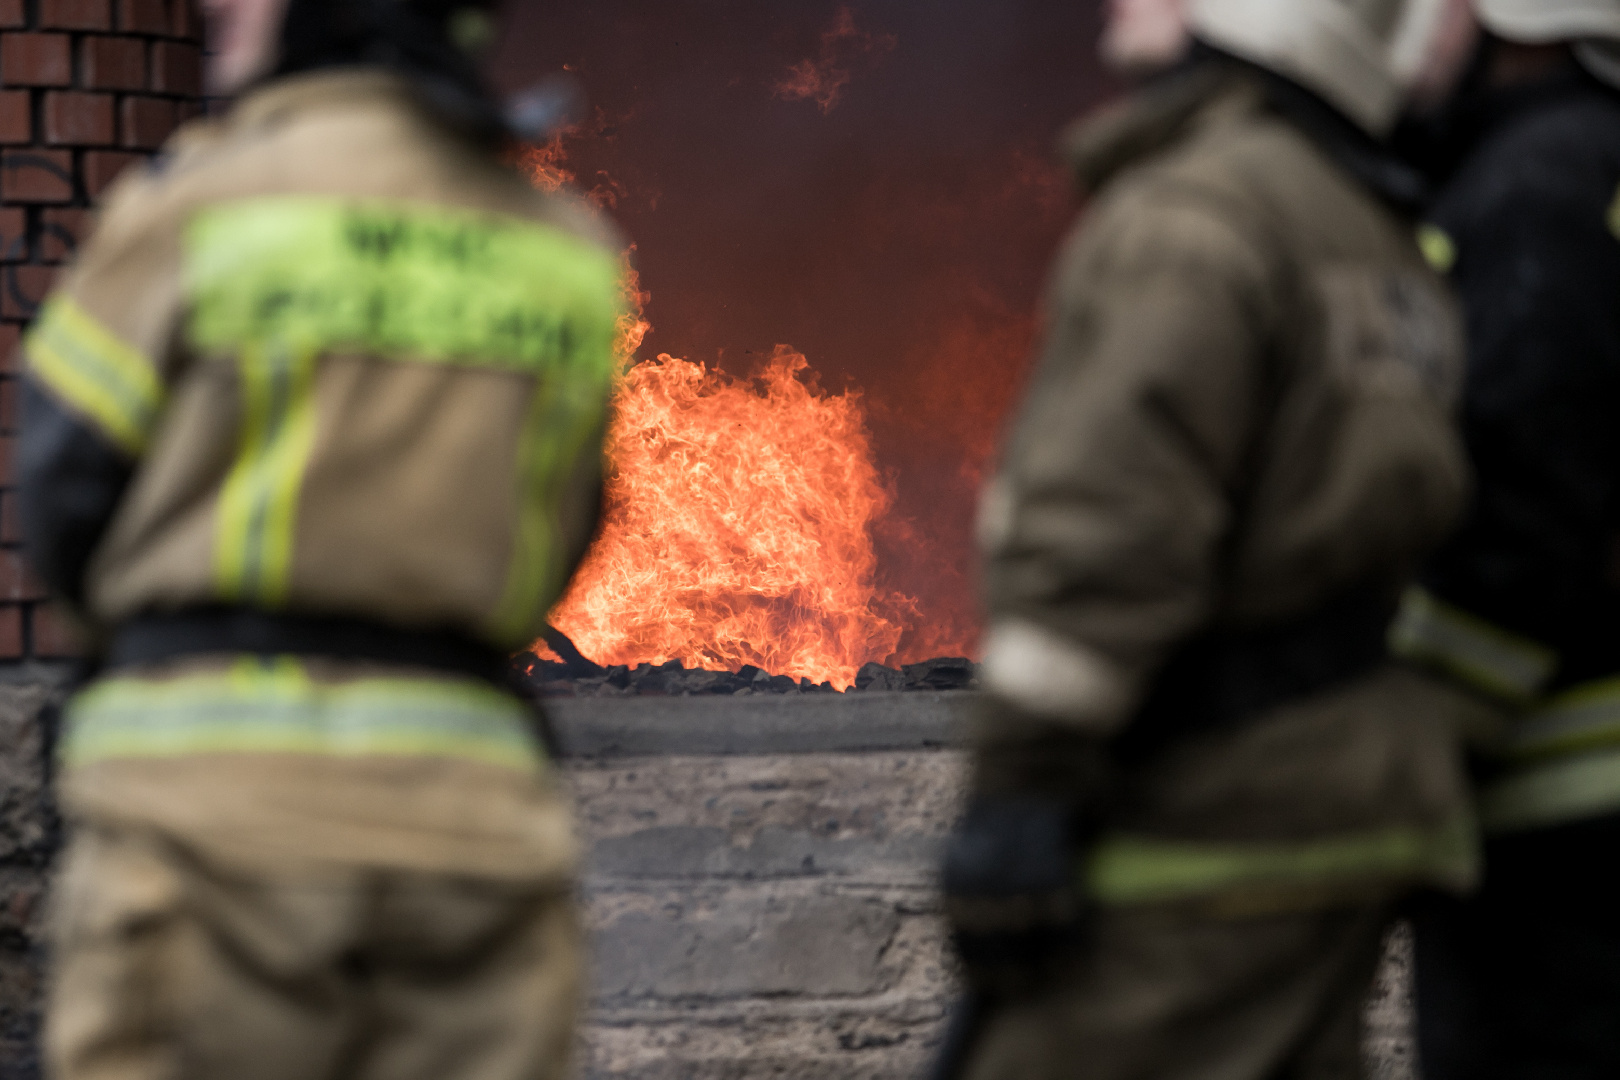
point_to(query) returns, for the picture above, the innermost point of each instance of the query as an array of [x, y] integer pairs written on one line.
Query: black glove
[[1013, 890]]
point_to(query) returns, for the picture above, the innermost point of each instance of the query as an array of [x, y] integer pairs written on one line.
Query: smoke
[[897, 233]]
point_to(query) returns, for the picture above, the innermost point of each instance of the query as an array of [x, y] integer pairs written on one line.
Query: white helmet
[[1593, 24], [1361, 55]]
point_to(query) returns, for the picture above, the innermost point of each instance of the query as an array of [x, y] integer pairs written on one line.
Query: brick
[[144, 17], [113, 63], [176, 68], [25, 289], [101, 168], [8, 406], [73, 118], [17, 580], [60, 232], [189, 110], [13, 234], [13, 13], [187, 20], [52, 637], [145, 122], [10, 336], [75, 15], [44, 176], [36, 60], [16, 117], [11, 632], [10, 520]]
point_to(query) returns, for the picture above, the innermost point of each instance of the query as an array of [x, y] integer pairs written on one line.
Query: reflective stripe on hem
[[1126, 870], [1556, 793], [1429, 631], [95, 373], [274, 707]]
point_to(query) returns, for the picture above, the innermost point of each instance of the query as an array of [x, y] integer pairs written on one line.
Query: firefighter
[[1200, 785], [312, 442], [1523, 605]]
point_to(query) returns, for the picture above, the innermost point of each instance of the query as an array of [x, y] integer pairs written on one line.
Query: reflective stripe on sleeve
[[1429, 631], [95, 373], [1554, 793], [1049, 675], [272, 706], [1584, 718], [1127, 870]]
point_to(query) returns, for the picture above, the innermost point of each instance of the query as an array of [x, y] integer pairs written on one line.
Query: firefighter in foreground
[[1523, 605], [312, 440], [1200, 787]]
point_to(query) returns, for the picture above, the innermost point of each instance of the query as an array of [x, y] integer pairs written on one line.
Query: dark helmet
[[431, 43]]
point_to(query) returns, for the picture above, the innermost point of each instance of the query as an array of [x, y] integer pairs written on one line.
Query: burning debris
[[581, 678]]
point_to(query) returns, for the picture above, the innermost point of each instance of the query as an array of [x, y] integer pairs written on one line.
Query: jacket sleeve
[[94, 386], [1102, 529]]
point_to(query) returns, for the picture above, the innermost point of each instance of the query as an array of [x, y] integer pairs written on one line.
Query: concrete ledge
[[759, 724]]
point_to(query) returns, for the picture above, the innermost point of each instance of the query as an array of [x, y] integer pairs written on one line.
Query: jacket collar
[[1210, 91], [278, 99]]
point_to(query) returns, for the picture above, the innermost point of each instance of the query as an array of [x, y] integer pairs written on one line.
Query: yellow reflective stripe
[[1584, 718], [258, 503], [274, 707], [1140, 870], [1429, 631], [1553, 794], [558, 426], [1438, 248], [94, 372], [407, 281]]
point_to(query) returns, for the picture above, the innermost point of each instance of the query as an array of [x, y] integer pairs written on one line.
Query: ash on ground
[[581, 678]]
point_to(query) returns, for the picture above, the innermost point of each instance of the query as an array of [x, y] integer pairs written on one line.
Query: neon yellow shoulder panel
[[407, 281]]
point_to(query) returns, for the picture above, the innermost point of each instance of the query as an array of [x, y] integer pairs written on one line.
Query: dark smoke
[[893, 220]]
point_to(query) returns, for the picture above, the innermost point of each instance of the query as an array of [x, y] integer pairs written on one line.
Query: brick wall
[[86, 88]]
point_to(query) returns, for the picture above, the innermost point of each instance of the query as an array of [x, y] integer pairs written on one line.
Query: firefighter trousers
[[1176, 996], [171, 966]]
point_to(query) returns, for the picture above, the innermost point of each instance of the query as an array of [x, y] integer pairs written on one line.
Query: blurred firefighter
[[1523, 604], [312, 441], [1200, 785]]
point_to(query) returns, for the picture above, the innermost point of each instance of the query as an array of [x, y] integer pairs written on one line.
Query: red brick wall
[[86, 87]]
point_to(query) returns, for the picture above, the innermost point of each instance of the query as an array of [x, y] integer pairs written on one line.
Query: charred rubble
[[579, 677]]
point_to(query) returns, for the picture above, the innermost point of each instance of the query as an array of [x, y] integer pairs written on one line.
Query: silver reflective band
[[1045, 674], [1585, 718], [1429, 631], [1553, 794]]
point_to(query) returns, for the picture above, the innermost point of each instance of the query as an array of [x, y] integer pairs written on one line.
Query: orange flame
[[738, 528], [739, 515]]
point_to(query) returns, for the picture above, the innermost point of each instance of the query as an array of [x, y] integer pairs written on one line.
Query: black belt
[[1221, 678], [153, 638]]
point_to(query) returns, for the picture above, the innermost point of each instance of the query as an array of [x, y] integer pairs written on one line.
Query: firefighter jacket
[[322, 359], [1523, 603], [1236, 448]]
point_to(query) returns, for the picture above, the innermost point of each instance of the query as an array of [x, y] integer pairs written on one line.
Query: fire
[[738, 528]]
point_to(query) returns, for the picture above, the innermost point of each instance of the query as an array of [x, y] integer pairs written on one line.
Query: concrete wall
[[761, 882]]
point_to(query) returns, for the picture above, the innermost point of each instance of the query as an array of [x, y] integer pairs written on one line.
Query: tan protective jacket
[[1240, 413], [364, 370], [360, 370]]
